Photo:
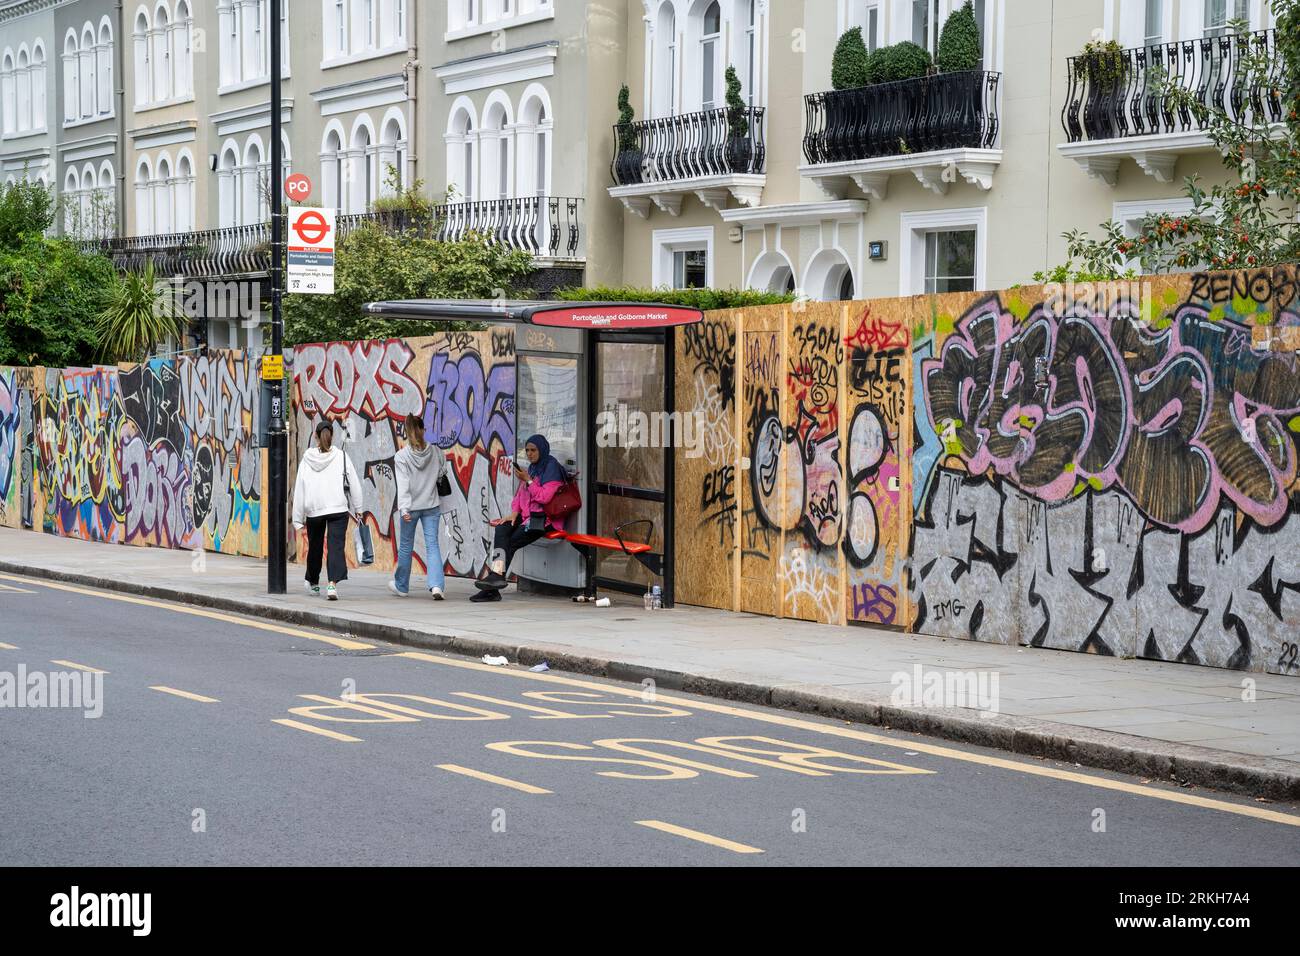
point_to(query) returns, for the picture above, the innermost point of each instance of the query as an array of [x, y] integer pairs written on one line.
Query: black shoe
[[493, 582], [486, 596]]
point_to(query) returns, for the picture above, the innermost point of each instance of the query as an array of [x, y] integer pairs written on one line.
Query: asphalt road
[[292, 749]]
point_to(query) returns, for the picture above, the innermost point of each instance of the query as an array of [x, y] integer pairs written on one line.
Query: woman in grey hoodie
[[419, 466]]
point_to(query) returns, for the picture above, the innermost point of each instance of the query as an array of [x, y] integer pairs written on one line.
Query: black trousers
[[509, 538], [335, 527]]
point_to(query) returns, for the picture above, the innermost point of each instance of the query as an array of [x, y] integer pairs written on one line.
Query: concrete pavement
[[1160, 720]]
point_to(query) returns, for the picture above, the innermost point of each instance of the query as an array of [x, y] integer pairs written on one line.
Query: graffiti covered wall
[[463, 384], [1110, 470], [160, 454]]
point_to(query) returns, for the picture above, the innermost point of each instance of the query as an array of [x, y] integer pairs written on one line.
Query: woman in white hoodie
[[326, 493], [419, 468]]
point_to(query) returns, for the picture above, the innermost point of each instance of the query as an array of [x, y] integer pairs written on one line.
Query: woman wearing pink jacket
[[528, 522]]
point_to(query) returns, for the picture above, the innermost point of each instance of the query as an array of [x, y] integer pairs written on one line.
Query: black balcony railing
[[943, 111], [689, 146], [233, 251], [1134, 92], [544, 226]]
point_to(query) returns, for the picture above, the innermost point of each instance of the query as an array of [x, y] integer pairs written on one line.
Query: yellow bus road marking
[[334, 735], [708, 838], [186, 694], [7, 587], [7, 647], [339, 642], [80, 667], [491, 778], [935, 750]]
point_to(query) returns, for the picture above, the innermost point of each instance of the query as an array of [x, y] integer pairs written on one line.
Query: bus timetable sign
[[311, 251]]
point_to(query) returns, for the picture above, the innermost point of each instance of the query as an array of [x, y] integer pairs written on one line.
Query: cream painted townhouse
[[958, 181], [151, 120]]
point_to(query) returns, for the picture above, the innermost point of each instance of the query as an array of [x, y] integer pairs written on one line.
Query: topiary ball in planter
[[849, 62], [906, 61], [959, 43], [876, 61]]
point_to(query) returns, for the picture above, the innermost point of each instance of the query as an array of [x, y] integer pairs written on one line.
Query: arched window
[[664, 101], [24, 90], [254, 185], [104, 68], [533, 138], [229, 18], [72, 223], [38, 86], [9, 93], [184, 215], [143, 61], [143, 200], [496, 149], [749, 51], [228, 186], [710, 50], [462, 154], [71, 79], [392, 155], [105, 206], [86, 71], [160, 55], [163, 187], [183, 45], [362, 189], [332, 164], [86, 203]]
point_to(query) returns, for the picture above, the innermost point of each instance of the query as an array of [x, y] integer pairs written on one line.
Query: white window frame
[[911, 244], [666, 242], [488, 16]]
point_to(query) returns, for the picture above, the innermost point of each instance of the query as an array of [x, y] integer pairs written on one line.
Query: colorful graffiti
[[463, 383], [160, 454], [1113, 470], [1112, 483]]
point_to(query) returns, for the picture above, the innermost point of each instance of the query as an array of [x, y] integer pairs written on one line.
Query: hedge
[[703, 299]]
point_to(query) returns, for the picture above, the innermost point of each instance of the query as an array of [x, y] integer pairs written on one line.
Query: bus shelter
[[597, 379]]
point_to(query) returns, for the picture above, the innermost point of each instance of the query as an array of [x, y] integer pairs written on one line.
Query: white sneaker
[[392, 586], [436, 593], [331, 593], [312, 589]]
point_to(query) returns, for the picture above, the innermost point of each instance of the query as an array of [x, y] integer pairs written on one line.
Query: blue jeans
[[406, 544]]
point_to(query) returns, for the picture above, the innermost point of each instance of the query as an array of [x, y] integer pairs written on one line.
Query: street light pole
[[277, 437]]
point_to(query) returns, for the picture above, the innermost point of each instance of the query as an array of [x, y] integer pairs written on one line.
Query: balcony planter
[[628, 167]]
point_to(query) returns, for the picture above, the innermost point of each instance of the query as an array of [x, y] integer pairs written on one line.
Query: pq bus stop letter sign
[[311, 251]]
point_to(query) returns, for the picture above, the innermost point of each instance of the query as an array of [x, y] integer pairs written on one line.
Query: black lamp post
[[277, 437]]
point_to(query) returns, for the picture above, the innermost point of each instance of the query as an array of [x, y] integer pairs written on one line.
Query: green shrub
[[1101, 61], [904, 61], [876, 61], [959, 43], [703, 299], [849, 62], [626, 134], [737, 111]]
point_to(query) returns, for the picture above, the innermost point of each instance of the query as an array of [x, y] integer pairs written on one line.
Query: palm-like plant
[[137, 316]]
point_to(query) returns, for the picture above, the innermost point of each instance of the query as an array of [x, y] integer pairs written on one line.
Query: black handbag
[[444, 483]]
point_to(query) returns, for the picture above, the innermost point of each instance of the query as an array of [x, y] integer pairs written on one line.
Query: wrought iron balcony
[[945, 111], [547, 227], [689, 146], [210, 253], [1128, 93]]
